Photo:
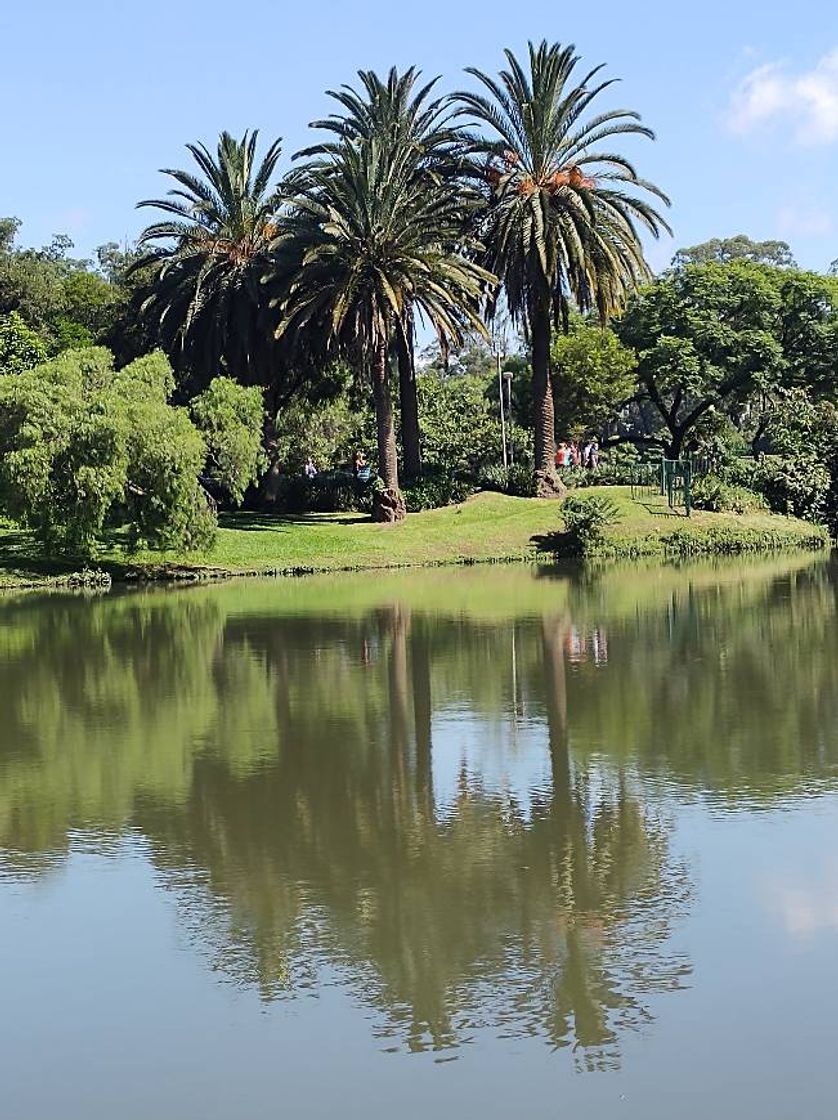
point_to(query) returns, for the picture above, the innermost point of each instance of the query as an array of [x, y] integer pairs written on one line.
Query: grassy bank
[[489, 527]]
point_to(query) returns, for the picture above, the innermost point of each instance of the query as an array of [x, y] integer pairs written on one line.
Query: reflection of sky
[[505, 758]]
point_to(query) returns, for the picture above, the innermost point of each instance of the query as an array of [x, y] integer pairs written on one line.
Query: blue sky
[[99, 94]]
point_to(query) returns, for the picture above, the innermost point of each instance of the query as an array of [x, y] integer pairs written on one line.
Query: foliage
[[371, 241], [204, 267], [586, 519], [20, 347], [723, 250], [328, 492], [705, 336], [435, 490], [562, 214], [802, 477], [63, 299], [459, 424], [516, 480], [593, 373], [230, 417], [328, 431], [712, 493], [86, 449]]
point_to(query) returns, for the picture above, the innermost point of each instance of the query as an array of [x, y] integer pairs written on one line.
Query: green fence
[[676, 476]]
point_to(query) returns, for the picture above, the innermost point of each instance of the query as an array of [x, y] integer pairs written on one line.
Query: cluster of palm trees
[[415, 207]]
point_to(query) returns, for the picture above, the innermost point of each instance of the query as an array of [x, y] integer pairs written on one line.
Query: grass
[[488, 527]]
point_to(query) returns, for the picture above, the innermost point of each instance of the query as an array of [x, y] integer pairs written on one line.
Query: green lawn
[[487, 527]]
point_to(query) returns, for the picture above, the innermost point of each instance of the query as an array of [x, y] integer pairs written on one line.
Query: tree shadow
[[253, 522]]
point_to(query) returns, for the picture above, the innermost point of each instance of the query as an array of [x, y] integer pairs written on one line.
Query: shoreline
[[489, 528]]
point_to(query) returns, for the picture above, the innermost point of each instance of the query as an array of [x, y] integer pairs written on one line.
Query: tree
[[563, 215], [706, 336], [20, 347], [366, 241], [205, 264], [593, 374], [723, 250], [401, 115], [230, 417], [61, 298], [86, 449], [727, 336]]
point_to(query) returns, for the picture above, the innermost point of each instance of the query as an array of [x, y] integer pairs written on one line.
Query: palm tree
[[207, 260], [563, 218], [402, 116], [366, 240]]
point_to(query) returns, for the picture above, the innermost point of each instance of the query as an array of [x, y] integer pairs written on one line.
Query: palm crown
[[207, 260]]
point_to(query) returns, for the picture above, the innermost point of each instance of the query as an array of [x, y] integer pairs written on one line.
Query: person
[[561, 451], [310, 470], [586, 453], [575, 454], [593, 455], [358, 463]]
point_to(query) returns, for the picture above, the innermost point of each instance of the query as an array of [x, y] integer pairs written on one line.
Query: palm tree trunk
[[411, 444], [542, 391], [546, 479], [389, 505]]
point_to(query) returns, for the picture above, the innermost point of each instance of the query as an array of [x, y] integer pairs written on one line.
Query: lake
[[494, 842]]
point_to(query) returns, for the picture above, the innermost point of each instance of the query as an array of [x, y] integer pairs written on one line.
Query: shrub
[[516, 480], [328, 492], [435, 491], [714, 494], [586, 518], [800, 487]]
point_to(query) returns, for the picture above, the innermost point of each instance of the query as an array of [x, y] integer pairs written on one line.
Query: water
[[490, 843]]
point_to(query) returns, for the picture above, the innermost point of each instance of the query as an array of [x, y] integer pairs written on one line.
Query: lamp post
[[507, 377], [502, 416]]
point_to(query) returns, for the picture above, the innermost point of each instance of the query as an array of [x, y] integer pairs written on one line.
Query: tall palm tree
[[403, 116], [207, 260], [564, 215], [366, 239]]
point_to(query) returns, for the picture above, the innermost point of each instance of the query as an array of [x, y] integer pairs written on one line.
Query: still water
[[495, 843]]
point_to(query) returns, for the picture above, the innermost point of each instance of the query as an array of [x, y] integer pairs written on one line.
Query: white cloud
[[808, 100]]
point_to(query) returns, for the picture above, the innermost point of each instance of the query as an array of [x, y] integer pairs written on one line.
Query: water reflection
[[297, 758]]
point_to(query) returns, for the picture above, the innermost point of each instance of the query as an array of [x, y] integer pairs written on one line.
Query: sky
[[100, 94]]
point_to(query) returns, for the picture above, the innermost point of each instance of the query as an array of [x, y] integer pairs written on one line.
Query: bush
[[328, 492], [517, 480], [714, 494], [435, 491], [586, 518], [799, 487]]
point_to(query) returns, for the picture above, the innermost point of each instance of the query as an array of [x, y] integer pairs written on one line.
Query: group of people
[[360, 468], [572, 455]]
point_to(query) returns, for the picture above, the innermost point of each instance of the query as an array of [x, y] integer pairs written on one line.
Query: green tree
[[230, 417], [723, 250], [593, 374], [400, 114], [706, 337], [20, 347], [563, 215], [85, 449], [367, 240]]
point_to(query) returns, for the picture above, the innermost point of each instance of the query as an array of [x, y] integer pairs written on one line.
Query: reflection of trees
[[280, 764]]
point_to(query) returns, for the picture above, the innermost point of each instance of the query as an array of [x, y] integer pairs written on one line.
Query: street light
[[507, 376], [502, 416]]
